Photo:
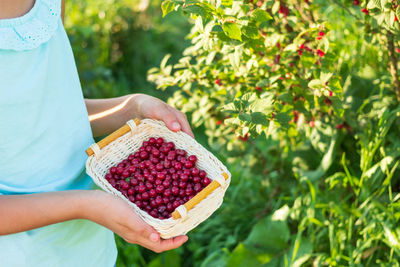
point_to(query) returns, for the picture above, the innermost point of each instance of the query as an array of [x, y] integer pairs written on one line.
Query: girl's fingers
[[181, 117], [164, 245], [165, 114]]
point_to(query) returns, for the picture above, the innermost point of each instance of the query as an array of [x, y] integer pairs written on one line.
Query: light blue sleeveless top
[[44, 131]]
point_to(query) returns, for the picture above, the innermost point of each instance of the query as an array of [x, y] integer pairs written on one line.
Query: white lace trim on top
[[32, 29]]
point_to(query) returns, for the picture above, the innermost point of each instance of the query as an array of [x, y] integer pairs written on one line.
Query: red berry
[[131, 191], [218, 82], [170, 207], [152, 193], [196, 179], [176, 204], [202, 174], [159, 189], [152, 140], [154, 213], [158, 201], [145, 196], [320, 53], [175, 190], [182, 184], [178, 166], [277, 59], [206, 181], [328, 102], [197, 187], [365, 11], [142, 188], [160, 140], [113, 170], [192, 158], [188, 164], [356, 2]]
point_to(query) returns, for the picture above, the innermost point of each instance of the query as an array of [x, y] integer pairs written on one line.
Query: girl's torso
[[44, 131]]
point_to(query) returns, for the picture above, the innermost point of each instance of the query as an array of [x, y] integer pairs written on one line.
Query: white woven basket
[[127, 140]]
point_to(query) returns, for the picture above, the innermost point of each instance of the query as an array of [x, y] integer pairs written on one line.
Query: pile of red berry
[[158, 178]]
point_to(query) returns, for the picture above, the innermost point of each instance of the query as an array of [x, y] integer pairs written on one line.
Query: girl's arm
[[20, 213], [107, 115]]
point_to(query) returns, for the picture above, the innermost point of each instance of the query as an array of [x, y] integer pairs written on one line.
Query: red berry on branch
[[330, 93], [284, 10], [397, 50], [395, 18], [258, 88], [277, 59], [356, 2], [244, 138], [365, 11], [339, 126], [218, 82], [328, 102], [320, 53], [312, 124]]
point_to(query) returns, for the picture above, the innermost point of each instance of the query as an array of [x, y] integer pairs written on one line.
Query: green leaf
[[299, 252], [275, 7], [398, 12], [227, 3], [167, 6], [260, 15], [244, 117], [259, 118], [283, 119], [315, 84], [196, 9], [263, 105], [250, 31], [242, 256], [232, 30], [268, 236], [325, 76], [168, 258], [286, 97], [375, 3]]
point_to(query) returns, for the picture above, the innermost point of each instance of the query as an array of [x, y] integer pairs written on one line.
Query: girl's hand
[[116, 215], [150, 107]]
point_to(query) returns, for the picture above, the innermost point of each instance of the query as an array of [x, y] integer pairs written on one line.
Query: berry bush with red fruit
[[301, 99]]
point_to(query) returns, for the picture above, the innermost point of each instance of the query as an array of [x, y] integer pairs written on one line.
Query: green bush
[[299, 98]]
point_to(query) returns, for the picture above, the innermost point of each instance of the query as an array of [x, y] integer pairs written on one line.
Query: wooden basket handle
[[200, 196], [113, 136]]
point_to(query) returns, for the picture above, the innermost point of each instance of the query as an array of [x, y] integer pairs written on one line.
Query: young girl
[[48, 217]]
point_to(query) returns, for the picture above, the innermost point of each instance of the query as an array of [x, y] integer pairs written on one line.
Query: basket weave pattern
[[99, 164]]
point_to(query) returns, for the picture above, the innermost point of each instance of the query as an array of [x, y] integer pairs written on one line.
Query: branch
[[300, 9], [393, 64], [346, 8]]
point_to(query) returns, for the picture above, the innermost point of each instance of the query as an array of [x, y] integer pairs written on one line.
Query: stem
[[300, 9], [393, 65]]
